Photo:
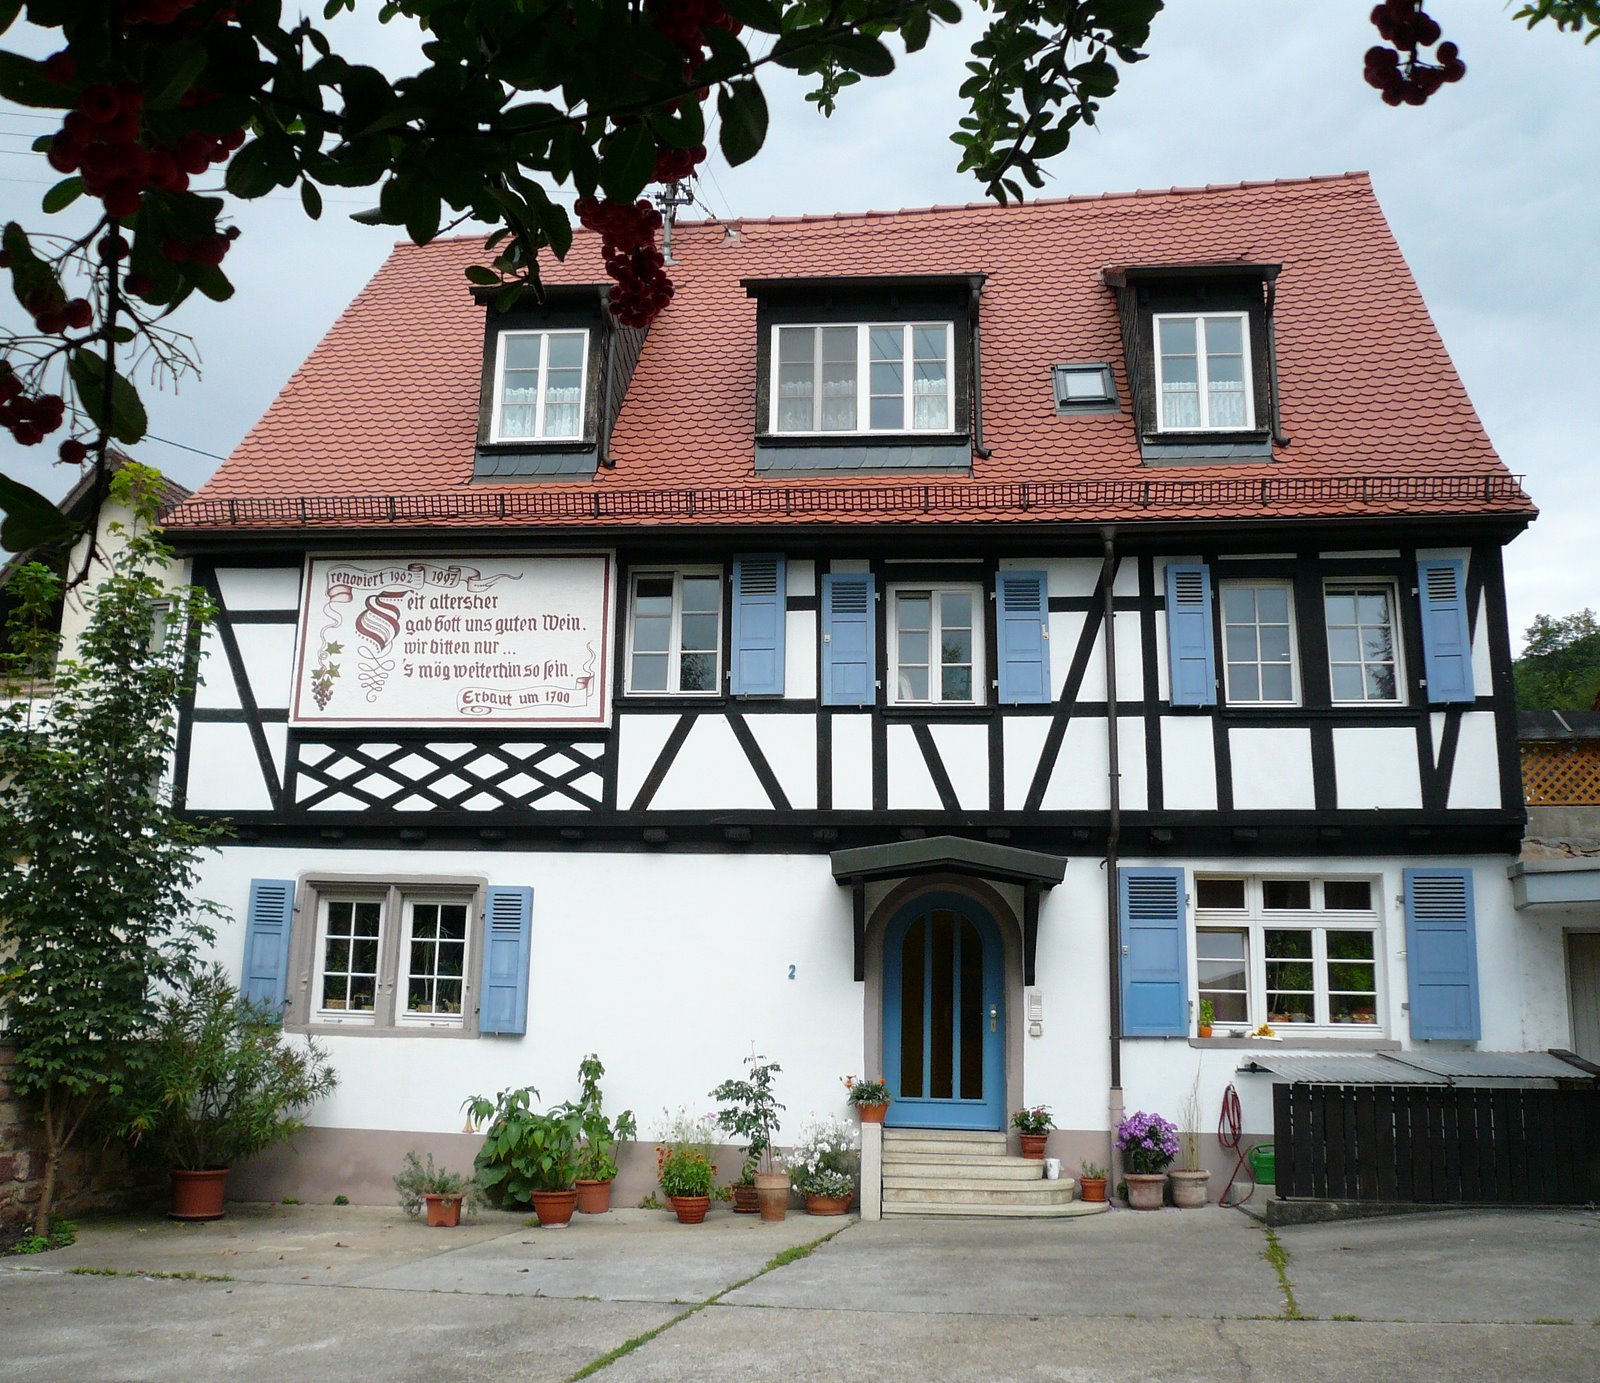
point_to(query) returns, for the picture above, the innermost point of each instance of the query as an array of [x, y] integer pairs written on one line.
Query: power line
[[183, 446]]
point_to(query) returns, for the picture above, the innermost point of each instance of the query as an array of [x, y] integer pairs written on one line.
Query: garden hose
[[1230, 1133]]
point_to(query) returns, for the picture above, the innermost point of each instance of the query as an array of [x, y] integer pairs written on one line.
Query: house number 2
[[791, 972]]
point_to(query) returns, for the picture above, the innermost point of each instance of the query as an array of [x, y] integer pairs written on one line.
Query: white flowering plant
[[827, 1158]]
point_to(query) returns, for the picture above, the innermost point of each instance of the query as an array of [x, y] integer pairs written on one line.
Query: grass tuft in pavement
[[1278, 1256]]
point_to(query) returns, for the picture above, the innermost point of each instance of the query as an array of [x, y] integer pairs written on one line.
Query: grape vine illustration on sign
[[519, 640]]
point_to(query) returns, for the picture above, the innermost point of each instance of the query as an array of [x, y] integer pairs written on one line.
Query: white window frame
[[394, 897], [1345, 584], [863, 395], [1256, 920], [403, 1016], [538, 434], [675, 639], [936, 589], [1258, 583], [1203, 373]]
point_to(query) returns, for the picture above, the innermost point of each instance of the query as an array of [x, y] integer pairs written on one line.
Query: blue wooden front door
[[944, 1016]]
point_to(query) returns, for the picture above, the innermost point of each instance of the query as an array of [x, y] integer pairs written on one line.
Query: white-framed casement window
[[936, 645], [390, 956], [1203, 378], [675, 632], [889, 377], [1258, 640], [1290, 952], [1364, 663], [539, 382]]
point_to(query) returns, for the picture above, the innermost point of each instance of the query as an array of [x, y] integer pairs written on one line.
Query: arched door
[[944, 1016]]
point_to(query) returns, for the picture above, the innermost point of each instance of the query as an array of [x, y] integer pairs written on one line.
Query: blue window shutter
[[760, 606], [1446, 640], [268, 925], [1191, 659], [1024, 616], [1155, 952], [507, 928], [1442, 953], [848, 637]]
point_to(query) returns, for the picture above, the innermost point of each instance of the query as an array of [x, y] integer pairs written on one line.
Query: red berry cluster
[[205, 249], [683, 24], [154, 11], [55, 313], [102, 139], [674, 165], [28, 419], [1398, 72], [628, 242]]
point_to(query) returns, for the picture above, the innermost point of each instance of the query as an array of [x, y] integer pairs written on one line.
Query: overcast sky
[[1491, 190]]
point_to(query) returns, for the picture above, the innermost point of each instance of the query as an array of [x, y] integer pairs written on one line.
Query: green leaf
[[250, 171], [743, 110], [629, 162], [372, 216], [864, 54], [31, 519], [477, 273], [177, 69], [23, 81], [28, 271], [9, 10], [127, 422], [62, 195], [210, 280], [311, 199], [761, 15]]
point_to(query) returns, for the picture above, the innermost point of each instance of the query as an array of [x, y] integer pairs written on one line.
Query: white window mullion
[[816, 379], [908, 368], [538, 399], [1202, 371], [675, 637], [864, 377]]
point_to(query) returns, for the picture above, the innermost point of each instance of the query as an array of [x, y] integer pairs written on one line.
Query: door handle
[[994, 1018]]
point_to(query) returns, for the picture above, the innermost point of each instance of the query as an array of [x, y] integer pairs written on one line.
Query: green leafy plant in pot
[[528, 1158], [750, 1113], [216, 1083], [599, 1136], [423, 1185]]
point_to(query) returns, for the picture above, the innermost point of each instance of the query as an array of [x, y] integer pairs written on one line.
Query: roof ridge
[[1071, 199]]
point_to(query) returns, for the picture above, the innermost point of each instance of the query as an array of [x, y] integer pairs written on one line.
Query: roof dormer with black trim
[[866, 375], [555, 371], [1198, 340]]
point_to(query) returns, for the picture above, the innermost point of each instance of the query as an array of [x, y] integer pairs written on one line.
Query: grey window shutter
[[1442, 954], [760, 613], [1155, 952], [268, 926], [1191, 657], [507, 934]]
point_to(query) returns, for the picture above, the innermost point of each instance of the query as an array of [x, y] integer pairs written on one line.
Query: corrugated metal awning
[[1417, 1068]]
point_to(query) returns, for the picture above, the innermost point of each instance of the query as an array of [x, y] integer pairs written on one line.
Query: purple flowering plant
[[1148, 1143]]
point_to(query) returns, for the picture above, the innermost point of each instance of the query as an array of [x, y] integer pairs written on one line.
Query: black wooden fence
[[1435, 1143]]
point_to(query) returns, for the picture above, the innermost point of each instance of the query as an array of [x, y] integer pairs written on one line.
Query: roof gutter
[[981, 451]]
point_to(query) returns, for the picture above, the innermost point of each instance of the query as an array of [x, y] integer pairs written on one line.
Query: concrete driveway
[[315, 1293]]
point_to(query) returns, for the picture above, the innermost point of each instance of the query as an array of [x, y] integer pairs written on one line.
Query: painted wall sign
[[461, 640]]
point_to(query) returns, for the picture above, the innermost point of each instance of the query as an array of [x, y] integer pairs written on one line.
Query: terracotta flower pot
[[1189, 1189], [1205, 1030], [444, 1212], [827, 1205], [554, 1208], [594, 1197], [1145, 1191], [872, 1113], [1033, 1144], [1092, 1188], [746, 1201], [690, 1209], [198, 1195], [772, 1194]]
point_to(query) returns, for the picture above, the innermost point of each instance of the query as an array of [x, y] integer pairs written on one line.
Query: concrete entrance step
[[924, 1166], [968, 1145], [944, 1135], [1069, 1210], [971, 1188]]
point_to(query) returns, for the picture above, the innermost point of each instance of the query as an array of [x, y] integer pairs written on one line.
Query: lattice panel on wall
[[421, 776], [1561, 774]]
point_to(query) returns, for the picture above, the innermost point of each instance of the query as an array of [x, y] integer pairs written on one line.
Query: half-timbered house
[[952, 644]]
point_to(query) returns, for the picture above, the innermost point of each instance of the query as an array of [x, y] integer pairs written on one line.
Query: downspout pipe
[[1108, 571]]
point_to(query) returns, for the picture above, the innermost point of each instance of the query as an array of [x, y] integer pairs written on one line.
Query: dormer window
[[865, 377], [1203, 372], [539, 385]]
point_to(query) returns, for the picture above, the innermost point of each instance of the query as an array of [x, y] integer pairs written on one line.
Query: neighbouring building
[[952, 644]]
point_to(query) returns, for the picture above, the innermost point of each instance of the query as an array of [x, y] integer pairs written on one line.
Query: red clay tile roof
[[379, 425]]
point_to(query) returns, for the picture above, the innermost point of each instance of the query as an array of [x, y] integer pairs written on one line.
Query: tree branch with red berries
[[162, 99]]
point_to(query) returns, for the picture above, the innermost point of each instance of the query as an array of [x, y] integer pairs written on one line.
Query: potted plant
[[217, 1083], [528, 1157], [1033, 1127], [750, 1112], [1189, 1180], [870, 1097], [824, 1166], [598, 1138], [1208, 1016], [1092, 1181], [1148, 1144], [684, 1168], [422, 1184]]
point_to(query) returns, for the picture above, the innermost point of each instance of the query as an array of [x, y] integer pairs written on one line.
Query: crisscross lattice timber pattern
[[1561, 773]]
